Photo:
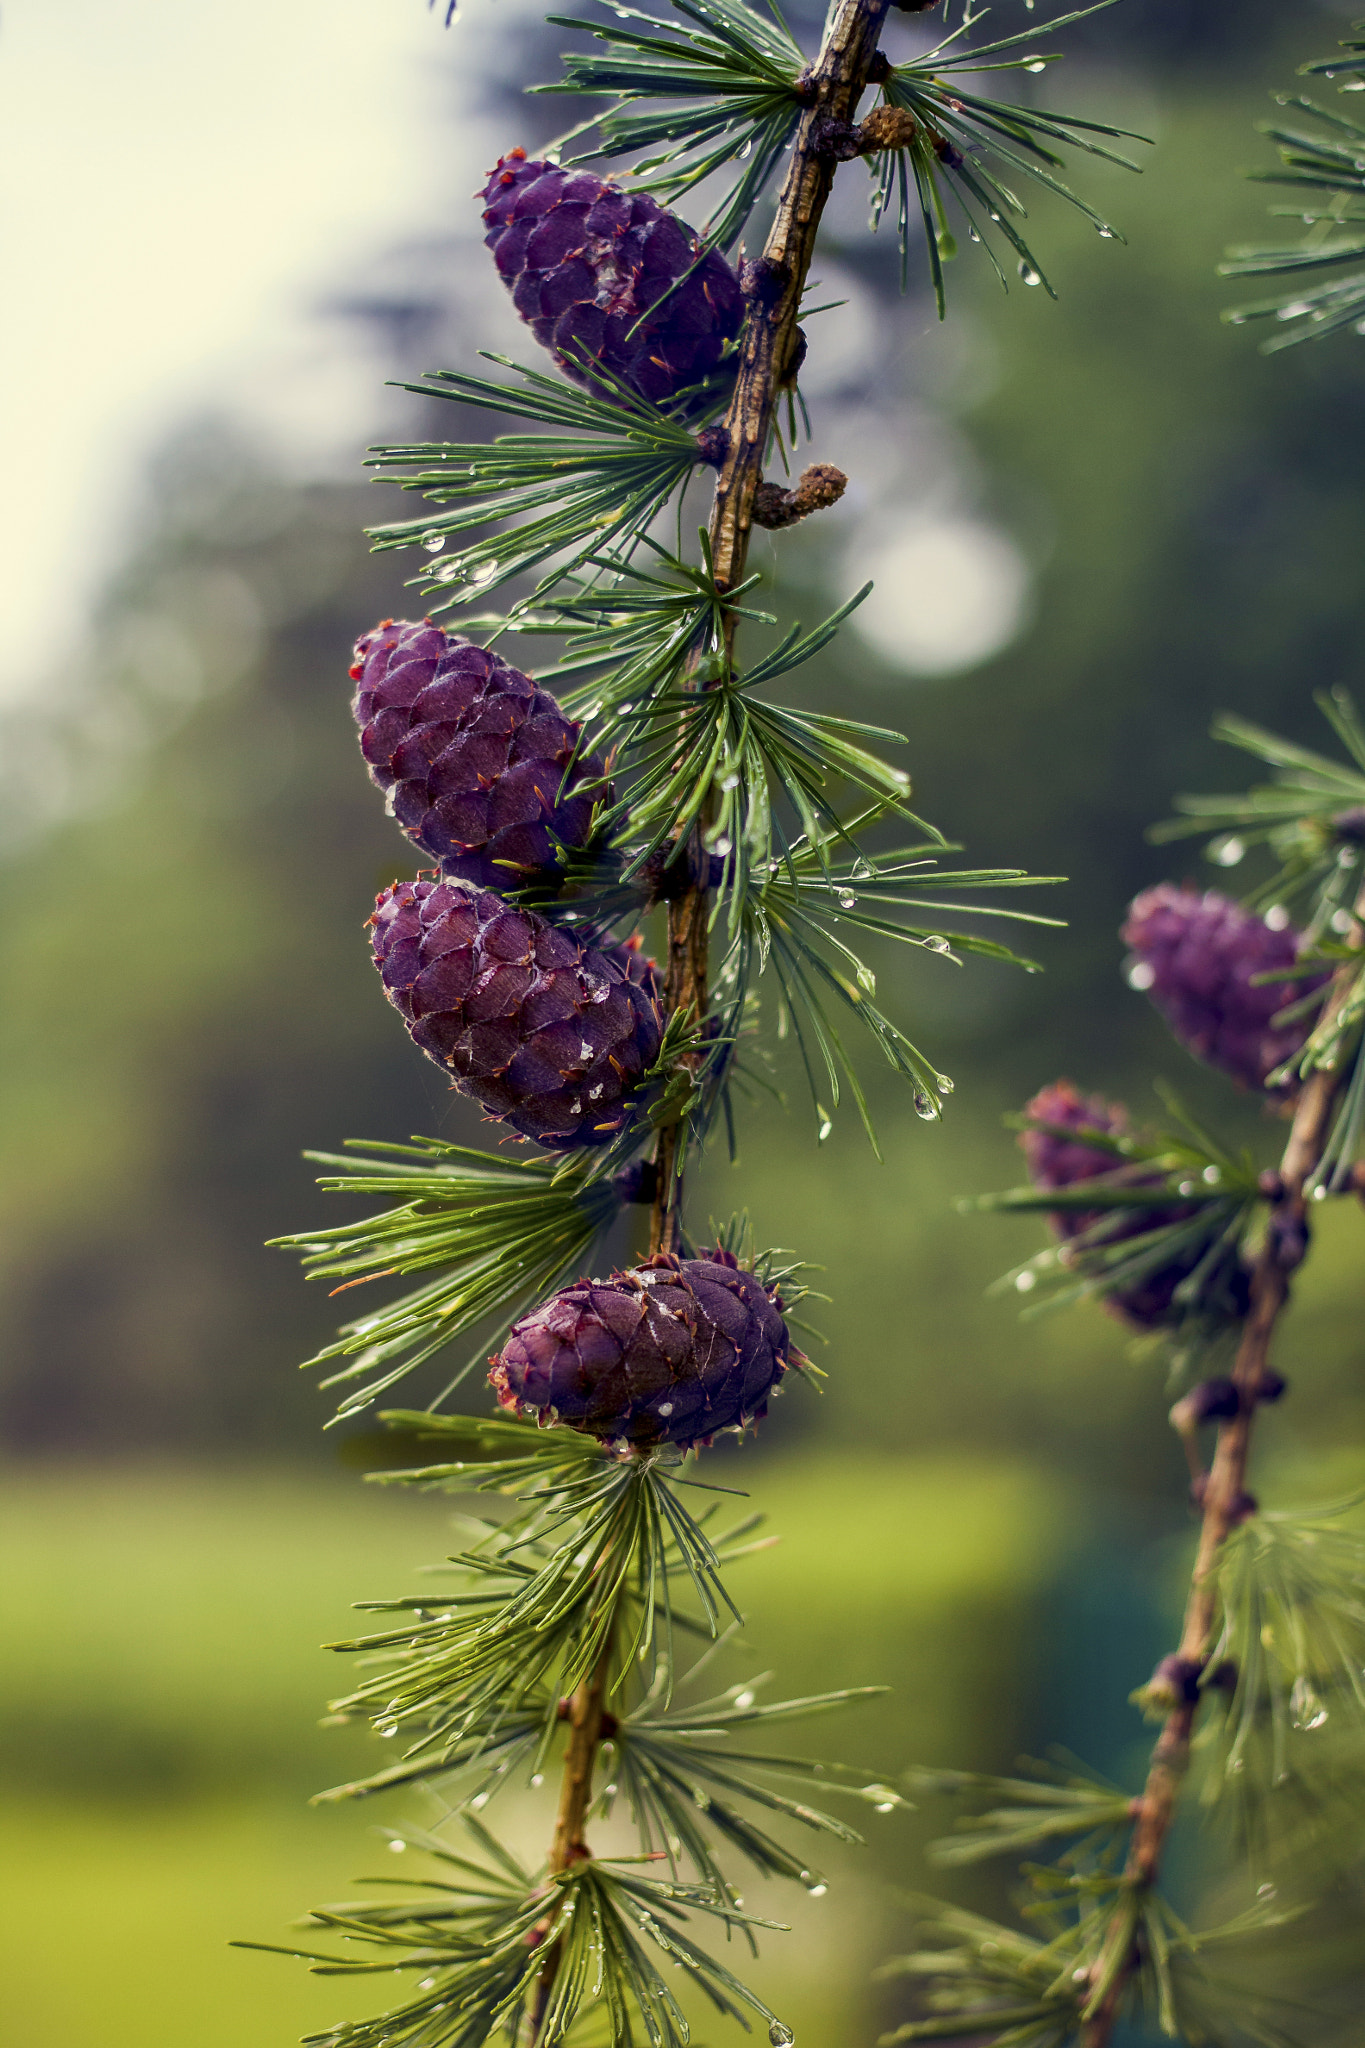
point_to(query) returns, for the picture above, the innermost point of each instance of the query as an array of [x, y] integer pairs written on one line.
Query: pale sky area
[[180, 183], [183, 184]]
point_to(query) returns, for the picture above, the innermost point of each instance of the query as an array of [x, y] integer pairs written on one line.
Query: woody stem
[[769, 354], [1224, 1506]]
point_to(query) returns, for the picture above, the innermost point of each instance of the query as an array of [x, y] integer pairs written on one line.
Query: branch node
[[713, 445], [1213, 1400], [817, 488], [885, 128], [1287, 1238]]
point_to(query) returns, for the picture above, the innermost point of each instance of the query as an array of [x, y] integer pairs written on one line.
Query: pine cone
[[1055, 1162], [1196, 956], [549, 1034], [670, 1352], [472, 754], [584, 261]]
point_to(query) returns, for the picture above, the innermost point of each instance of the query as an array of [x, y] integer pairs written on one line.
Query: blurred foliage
[[165, 1707]]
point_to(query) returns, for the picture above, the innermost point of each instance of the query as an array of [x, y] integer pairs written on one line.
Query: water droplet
[[1294, 310], [537, 1777], [1305, 1706], [426, 1984], [1340, 921], [743, 1700], [1265, 1891], [1356, 85], [1040, 65], [936, 943], [972, 234], [1141, 974], [1186, 1187], [665, 1407], [780, 2036], [817, 1891], [861, 869], [722, 846], [747, 150], [729, 782], [1277, 918], [1029, 274], [483, 572], [1105, 232], [479, 1800], [1213, 1175], [889, 1805], [1227, 852], [1026, 1281], [585, 1051], [387, 1732], [846, 898], [594, 1092], [1320, 1194], [925, 1106], [397, 1848], [946, 1083], [825, 1128]]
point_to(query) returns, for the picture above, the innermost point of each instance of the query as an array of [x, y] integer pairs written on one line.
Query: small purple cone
[[1196, 955], [549, 1034], [472, 755], [1057, 1162], [584, 261], [668, 1353]]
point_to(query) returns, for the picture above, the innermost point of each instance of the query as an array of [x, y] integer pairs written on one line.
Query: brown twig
[[770, 354], [585, 1710], [1226, 1503]]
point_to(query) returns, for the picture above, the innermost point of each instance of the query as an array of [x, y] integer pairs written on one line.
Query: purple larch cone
[[1198, 956], [669, 1353], [603, 276], [1059, 1162], [550, 1034], [480, 765]]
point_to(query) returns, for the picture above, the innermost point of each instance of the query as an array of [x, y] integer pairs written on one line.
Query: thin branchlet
[[1226, 1502], [769, 357]]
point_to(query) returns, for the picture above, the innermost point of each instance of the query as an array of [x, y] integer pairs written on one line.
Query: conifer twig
[[769, 359], [1226, 1503]]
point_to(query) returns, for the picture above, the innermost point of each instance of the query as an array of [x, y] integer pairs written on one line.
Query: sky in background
[[180, 184], [184, 187]]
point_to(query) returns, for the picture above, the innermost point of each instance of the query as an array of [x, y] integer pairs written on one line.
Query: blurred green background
[[984, 1514]]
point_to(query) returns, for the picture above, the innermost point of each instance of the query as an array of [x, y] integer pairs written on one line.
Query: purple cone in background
[[1197, 955], [584, 261], [670, 1352], [548, 1033], [472, 754], [1059, 1162]]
